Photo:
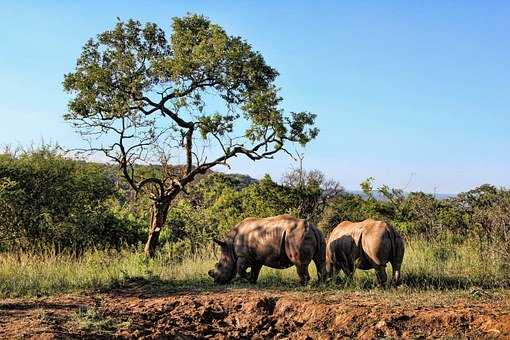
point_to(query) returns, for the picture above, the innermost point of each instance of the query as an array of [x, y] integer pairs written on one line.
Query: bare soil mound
[[138, 312]]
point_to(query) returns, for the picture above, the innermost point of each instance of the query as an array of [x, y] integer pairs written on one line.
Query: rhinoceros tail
[[393, 241]]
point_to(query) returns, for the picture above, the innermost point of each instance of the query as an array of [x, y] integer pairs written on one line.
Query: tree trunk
[[159, 211]]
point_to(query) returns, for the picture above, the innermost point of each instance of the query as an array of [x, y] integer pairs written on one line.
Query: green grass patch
[[438, 265], [92, 322]]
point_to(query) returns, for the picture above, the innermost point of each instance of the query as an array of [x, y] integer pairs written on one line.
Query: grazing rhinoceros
[[276, 242], [365, 245]]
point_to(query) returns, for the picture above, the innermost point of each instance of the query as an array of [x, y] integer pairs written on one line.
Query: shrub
[[46, 198]]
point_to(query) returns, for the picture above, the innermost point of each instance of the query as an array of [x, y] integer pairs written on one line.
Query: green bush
[[46, 198]]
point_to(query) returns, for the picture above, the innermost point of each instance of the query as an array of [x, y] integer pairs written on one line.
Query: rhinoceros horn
[[222, 244]]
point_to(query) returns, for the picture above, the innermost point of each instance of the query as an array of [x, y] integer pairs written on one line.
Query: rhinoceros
[[364, 245], [276, 242]]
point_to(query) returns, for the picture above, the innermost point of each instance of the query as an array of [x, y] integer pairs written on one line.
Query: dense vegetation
[[73, 218], [46, 199]]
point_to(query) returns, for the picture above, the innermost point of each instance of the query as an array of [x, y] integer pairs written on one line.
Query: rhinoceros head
[[225, 270]]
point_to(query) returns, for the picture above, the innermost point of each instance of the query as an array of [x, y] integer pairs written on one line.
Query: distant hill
[[244, 180], [380, 197]]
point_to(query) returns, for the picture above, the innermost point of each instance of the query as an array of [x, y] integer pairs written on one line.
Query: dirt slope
[[138, 312]]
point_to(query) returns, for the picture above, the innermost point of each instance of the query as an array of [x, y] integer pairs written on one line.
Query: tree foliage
[[151, 92]]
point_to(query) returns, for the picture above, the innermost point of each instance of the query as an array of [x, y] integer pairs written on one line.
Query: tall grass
[[447, 264], [427, 265], [48, 271]]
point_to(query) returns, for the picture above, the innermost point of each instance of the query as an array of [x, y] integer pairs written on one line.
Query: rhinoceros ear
[[220, 243]]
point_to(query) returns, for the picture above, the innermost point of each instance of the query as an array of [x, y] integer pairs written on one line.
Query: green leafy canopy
[[134, 71]]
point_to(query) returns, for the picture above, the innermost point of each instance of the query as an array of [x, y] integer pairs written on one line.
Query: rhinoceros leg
[[336, 262], [346, 262], [380, 271], [334, 270], [321, 268], [396, 262], [254, 272], [331, 270], [242, 265], [397, 279], [302, 270]]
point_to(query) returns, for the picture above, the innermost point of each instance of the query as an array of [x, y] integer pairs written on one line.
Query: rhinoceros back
[[275, 241]]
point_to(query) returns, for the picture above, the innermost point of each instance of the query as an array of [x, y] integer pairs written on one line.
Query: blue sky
[[415, 94]]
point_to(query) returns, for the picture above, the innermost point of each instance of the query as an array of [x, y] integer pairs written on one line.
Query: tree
[[183, 105], [313, 191]]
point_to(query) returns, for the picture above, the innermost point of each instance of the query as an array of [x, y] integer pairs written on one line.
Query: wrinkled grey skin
[[365, 245], [277, 242]]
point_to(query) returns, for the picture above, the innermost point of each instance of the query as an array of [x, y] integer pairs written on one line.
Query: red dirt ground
[[139, 311]]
